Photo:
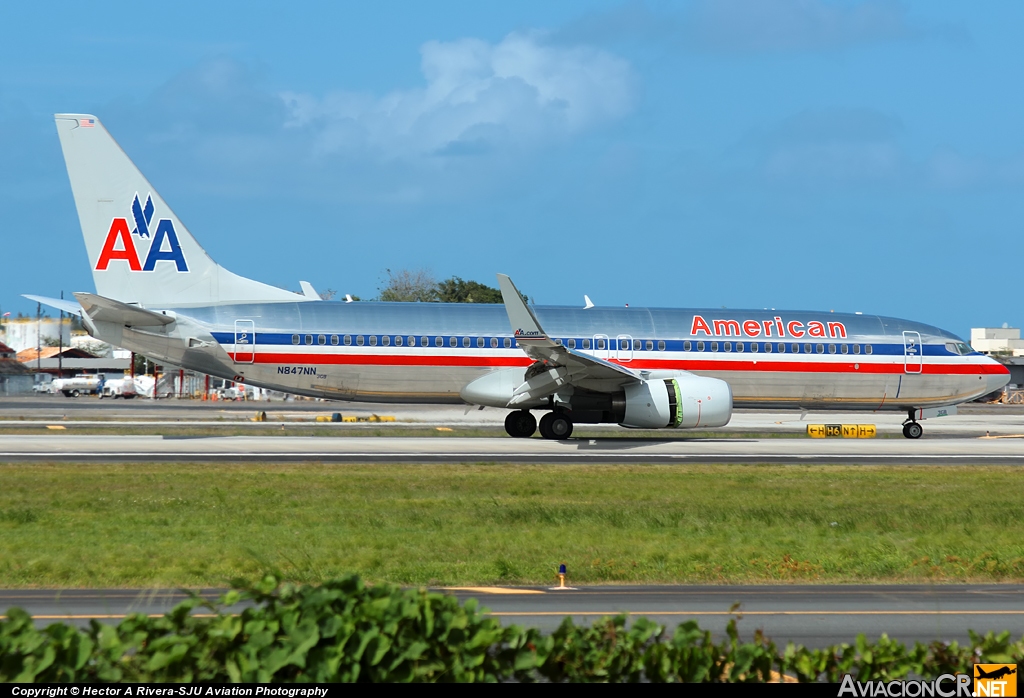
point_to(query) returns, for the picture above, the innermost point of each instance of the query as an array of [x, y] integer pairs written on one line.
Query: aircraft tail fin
[[138, 249]]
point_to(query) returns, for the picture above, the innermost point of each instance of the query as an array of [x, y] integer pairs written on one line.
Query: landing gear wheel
[[912, 430], [520, 424], [555, 425]]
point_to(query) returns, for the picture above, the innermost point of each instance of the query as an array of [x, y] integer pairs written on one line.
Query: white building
[[997, 340], [27, 333]]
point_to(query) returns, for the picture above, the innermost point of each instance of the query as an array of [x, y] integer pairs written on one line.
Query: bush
[[346, 631]]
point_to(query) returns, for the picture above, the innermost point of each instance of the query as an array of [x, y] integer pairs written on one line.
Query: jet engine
[[684, 401]]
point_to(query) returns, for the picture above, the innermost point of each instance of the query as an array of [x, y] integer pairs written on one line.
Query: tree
[[456, 290], [328, 295], [410, 286]]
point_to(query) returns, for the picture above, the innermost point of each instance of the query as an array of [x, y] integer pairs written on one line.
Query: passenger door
[[913, 359], [245, 341]]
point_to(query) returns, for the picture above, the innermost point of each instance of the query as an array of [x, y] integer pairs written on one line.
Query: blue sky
[[792, 154]]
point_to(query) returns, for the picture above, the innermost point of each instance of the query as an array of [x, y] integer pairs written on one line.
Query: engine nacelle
[[685, 401]]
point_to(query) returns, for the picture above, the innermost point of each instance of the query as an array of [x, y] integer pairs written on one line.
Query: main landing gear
[[911, 429], [521, 424]]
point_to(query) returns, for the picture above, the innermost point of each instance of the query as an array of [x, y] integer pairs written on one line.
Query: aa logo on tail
[[163, 243]]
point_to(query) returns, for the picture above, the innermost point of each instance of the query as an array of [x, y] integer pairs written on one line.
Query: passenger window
[[867, 349], [373, 340], [637, 345], [831, 348], [754, 346], [494, 342], [727, 346], [807, 348], [768, 347], [795, 348], [661, 345], [686, 345], [334, 339], [600, 344], [309, 339], [820, 348], [321, 339], [453, 341], [846, 348], [359, 340], [572, 343], [479, 342], [295, 339], [856, 348], [740, 346], [424, 341], [438, 341], [348, 340], [586, 343], [508, 342], [385, 340], [782, 348], [398, 340], [650, 345], [700, 346], [714, 346]]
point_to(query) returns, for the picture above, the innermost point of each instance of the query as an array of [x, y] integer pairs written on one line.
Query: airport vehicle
[[158, 293], [81, 384], [119, 388]]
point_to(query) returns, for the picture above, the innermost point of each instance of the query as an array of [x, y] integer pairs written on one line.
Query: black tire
[[75, 393], [913, 430], [520, 424], [555, 426]]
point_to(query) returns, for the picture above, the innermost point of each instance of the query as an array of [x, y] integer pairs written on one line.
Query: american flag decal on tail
[[87, 123]]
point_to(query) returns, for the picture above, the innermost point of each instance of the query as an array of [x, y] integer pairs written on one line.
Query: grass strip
[[174, 524]]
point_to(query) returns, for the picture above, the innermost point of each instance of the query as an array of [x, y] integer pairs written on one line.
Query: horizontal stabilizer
[[59, 303], [108, 310]]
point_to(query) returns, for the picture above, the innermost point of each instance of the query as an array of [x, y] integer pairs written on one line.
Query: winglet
[[308, 291], [524, 323]]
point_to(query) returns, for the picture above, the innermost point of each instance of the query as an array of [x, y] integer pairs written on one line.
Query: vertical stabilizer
[[139, 251]]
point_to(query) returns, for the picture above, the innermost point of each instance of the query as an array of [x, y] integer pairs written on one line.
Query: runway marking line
[[493, 590], [115, 616], [758, 613]]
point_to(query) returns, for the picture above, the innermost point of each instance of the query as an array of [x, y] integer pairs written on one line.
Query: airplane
[[160, 294], [995, 673]]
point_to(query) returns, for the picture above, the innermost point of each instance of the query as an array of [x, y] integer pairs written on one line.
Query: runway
[[107, 448], [811, 615]]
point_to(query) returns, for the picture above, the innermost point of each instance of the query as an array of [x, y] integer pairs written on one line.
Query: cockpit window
[[961, 348]]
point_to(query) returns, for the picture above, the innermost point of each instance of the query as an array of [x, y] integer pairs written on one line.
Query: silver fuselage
[[427, 352]]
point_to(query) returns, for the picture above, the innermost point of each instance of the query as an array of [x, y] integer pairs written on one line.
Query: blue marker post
[[561, 576]]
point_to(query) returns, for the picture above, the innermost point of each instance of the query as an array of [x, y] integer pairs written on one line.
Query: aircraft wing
[[108, 310], [559, 365], [59, 303]]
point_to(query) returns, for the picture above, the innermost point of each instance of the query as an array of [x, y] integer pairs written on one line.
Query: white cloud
[[478, 97]]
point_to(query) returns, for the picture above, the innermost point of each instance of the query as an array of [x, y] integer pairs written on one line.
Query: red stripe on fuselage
[[638, 364]]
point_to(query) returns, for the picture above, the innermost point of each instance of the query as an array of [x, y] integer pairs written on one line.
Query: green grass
[[201, 524]]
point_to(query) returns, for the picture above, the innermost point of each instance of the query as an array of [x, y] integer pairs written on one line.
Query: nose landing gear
[[911, 429]]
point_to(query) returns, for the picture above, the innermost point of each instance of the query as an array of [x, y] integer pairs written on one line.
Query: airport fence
[[344, 630]]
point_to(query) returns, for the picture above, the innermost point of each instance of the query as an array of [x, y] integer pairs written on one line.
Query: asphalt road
[[76, 447], [811, 615]]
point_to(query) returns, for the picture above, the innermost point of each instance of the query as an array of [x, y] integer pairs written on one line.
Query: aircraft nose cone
[[996, 377]]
